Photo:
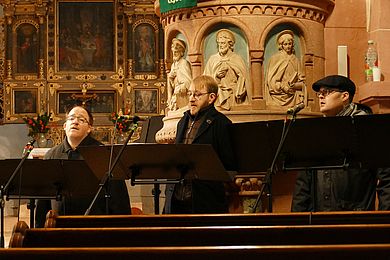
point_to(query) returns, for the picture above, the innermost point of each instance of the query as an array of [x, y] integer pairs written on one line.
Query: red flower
[[38, 125]]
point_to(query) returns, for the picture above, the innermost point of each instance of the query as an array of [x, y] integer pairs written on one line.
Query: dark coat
[[207, 196], [342, 189]]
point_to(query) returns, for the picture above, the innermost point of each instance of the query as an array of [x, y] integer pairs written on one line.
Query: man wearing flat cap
[[335, 94], [346, 189]]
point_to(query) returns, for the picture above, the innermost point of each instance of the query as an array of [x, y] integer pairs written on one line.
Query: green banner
[[169, 5]]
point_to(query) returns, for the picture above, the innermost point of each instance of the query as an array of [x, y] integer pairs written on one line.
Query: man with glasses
[[78, 128], [202, 124], [347, 189]]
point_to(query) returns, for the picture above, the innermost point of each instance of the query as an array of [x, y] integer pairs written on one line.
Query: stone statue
[[179, 78], [230, 71], [285, 81]]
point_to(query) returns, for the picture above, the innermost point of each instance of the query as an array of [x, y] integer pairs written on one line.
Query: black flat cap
[[336, 82]]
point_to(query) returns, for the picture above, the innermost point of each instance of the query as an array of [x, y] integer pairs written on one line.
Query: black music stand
[[320, 143], [158, 163], [47, 179], [313, 143]]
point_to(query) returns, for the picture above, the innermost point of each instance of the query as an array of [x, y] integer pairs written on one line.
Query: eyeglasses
[[80, 119], [197, 95], [327, 92]]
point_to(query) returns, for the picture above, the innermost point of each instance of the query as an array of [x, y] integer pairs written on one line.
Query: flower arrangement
[[122, 124], [38, 125]]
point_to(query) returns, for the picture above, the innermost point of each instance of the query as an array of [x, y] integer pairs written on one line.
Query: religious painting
[[146, 101], [25, 101], [27, 48], [96, 102], [145, 46], [86, 41]]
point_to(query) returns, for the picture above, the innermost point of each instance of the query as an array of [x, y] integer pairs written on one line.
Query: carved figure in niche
[[179, 78], [229, 70], [285, 81], [27, 44]]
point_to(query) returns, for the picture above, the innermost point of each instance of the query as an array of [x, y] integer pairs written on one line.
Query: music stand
[[319, 143], [158, 163], [47, 179]]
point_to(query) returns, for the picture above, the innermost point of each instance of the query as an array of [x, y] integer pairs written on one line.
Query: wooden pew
[[263, 219], [302, 252], [202, 236]]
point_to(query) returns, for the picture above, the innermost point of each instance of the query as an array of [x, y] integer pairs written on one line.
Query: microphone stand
[[3, 190], [267, 182], [105, 180]]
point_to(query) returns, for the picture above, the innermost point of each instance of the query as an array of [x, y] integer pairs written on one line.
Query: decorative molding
[[86, 77], [130, 86], [145, 77], [53, 87], [51, 75], [284, 8], [119, 76], [118, 87]]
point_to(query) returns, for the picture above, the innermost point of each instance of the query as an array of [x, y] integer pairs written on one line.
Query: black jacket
[[207, 196], [342, 189]]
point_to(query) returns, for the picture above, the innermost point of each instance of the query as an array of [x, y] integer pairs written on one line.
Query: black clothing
[[119, 202], [205, 196], [342, 189]]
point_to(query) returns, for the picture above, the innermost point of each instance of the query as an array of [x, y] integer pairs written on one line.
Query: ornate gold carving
[[51, 74], [119, 76], [85, 86], [53, 87], [9, 117], [22, 21], [161, 85], [162, 68], [130, 86], [25, 8], [26, 77], [41, 65], [145, 77], [249, 185], [118, 87], [53, 117], [86, 77], [41, 86], [149, 21], [9, 86], [9, 69], [130, 68], [56, 134]]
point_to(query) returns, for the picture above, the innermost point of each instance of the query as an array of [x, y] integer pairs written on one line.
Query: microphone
[[134, 119], [295, 109], [29, 147]]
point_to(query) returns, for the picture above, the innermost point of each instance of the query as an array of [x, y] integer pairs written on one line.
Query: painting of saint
[[27, 49], [145, 48], [25, 101]]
